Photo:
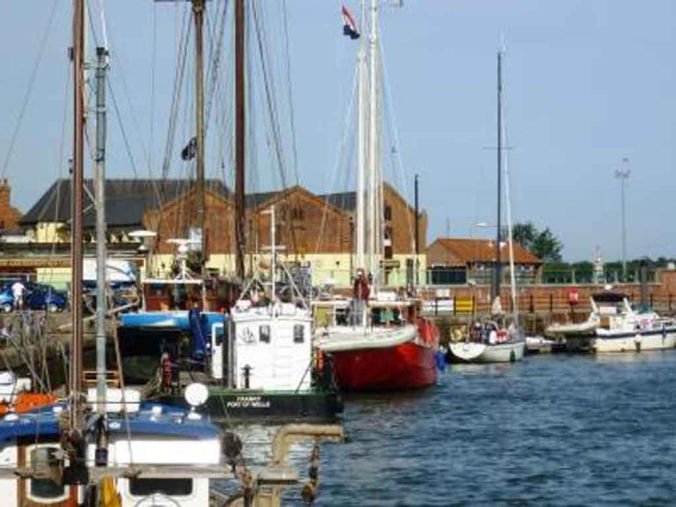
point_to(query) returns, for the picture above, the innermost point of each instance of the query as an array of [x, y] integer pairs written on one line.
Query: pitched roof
[[126, 200], [483, 250], [346, 201], [257, 199]]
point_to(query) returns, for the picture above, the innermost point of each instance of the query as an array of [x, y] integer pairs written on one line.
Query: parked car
[[45, 297], [6, 299]]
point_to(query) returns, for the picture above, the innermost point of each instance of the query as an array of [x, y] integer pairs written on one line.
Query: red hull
[[406, 366]]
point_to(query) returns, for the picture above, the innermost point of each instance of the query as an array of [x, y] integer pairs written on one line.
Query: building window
[[298, 333], [296, 213], [388, 212], [264, 333]]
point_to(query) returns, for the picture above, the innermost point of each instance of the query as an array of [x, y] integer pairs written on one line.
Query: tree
[[540, 243]]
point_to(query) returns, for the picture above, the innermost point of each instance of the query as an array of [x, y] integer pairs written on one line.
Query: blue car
[[6, 299], [45, 297]]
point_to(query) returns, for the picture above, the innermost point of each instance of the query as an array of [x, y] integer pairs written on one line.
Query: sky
[[587, 83]]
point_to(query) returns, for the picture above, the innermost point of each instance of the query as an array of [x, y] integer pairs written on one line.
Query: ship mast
[[240, 139], [198, 7], [374, 209], [498, 262], [75, 379], [361, 149], [101, 254]]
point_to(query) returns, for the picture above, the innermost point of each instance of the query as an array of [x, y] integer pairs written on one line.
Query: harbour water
[[552, 430]]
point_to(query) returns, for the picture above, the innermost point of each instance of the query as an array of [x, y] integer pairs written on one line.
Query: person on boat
[[361, 286], [18, 292]]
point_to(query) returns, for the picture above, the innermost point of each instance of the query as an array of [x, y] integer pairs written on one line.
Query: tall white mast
[[361, 141], [374, 159], [508, 202]]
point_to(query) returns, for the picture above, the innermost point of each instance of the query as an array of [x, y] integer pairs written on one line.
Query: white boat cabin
[[271, 346]]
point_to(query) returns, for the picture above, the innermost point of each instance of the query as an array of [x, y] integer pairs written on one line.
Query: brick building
[[9, 215], [461, 260], [316, 230]]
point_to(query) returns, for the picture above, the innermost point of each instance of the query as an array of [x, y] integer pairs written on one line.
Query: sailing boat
[[377, 340], [61, 452], [256, 365], [492, 341]]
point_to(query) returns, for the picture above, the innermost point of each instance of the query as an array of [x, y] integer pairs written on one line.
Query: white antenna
[[182, 255]]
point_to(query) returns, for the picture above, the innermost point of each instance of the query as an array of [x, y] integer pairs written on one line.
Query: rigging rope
[[348, 133], [178, 85], [289, 90], [397, 165], [29, 89]]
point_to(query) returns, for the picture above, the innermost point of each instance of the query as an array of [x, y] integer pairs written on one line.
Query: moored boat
[[379, 345], [487, 342], [614, 326]]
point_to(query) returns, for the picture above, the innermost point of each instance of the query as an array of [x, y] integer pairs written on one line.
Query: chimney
[[4, 194]]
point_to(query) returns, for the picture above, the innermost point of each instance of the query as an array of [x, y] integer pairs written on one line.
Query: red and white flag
[[349, 26]]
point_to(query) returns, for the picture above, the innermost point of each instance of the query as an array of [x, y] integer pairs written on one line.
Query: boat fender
[[440, 359], [320, 361], [166, 370], [637, 342]]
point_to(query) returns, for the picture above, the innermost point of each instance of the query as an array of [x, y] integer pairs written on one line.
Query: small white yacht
[[614, 326]]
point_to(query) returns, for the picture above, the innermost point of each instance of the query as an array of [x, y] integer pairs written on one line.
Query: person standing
[[18, 292]]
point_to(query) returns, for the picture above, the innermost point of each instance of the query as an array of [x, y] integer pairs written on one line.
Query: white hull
[[472, 352], [582, 328], [633, 343], [535, 344], [340, 339]]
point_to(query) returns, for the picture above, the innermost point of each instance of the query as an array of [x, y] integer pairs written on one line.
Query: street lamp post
[[623, 175]]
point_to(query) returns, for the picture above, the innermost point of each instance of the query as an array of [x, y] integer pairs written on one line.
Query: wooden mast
[[75, 379], [240, 139], [198, 7]]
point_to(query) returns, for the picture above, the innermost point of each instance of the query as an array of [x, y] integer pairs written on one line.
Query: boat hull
[[266, 407], [405, 366], [473, 352], [633, 342]]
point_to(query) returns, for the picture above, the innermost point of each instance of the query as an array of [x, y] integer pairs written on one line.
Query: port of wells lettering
[[248, 402]]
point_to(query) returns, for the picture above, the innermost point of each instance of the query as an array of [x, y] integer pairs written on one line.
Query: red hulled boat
[[380, 345]]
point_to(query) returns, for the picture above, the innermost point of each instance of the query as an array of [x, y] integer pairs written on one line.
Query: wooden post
[[551, 303]]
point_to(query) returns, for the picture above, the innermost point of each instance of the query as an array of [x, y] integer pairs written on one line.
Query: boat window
[[298, 333], [264, 333], [169, 487], [45, 491]]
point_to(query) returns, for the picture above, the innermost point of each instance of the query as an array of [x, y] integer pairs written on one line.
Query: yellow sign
[[35, 263]]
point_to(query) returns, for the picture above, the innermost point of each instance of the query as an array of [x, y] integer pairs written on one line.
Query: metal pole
[[240, 141], [373, 183], [198, 7], [417, 232], [101, 254], [496, 282], [75, 380], [623, 175], [361, 151]]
